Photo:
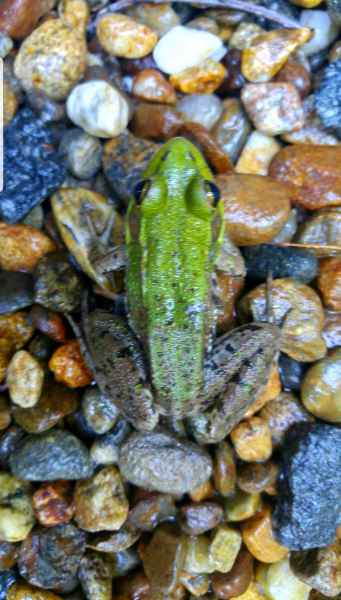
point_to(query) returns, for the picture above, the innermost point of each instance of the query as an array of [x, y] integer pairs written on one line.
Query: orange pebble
[[259, 539], [68, 365], [22, 246]]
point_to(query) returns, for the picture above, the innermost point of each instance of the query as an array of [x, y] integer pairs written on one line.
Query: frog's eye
[[213, 192], [141, 189]]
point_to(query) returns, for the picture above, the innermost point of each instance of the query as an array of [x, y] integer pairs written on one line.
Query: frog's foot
[[82, 344], [105, 257]]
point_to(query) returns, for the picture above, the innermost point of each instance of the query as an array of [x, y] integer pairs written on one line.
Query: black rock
[[281, 262], [328, 96], [55, 454], [33, 169], [7, 579], [291, 372], [308, 508], [9, 441], [16, 291]]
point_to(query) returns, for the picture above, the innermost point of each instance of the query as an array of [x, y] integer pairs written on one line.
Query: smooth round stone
[[83, 153], [291, 372], [120, 35], [280, 583], [281, 262], [99, 411], [57, 284], [16, 291], [204, 109], [257, 153], [25, 377], [325, 30], [160, 18], [328, 96], [161, 462], [232, 129], [16, 512], [169, 53], [321, 388], [6, 45], [53, 455]]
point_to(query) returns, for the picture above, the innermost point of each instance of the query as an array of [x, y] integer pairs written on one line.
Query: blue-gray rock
[[308, 508], [291, 372], [7, 579], [281, 262], [328, 96], [53, 455], [16, 291]]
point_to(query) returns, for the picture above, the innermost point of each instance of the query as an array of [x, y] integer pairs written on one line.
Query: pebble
[[48, 110], [68, 366], [301, 327], [313, 170], [244, 34], [16, 328], [200, 517], [22, 591], [116, 542], [323, 228], [16, 291], [50, 557], [225, 475], [266, 53], [325, 31], [297, 74], [242, 506], [8, 555], [7, 579], [281, 262], [55, 403], [252, 440], [203, 79], [313, 132], [204, 24], [329, 283], [52, 455], [122, 36], [152, 86], [99, 411], [48, 323], [205, 109], [308, 505], [321, 388], [200, 46], [255, 208], [9, 441], [100, 502], [135, 585], [10, 103], [163, 558], [158, 461], [150, 510], [98, 108], [6, 45], [325, 576], [257, 154], [95, 576], [25, 378], [224, 548], [334, 10], [259, 538], [279, 582], [5, 417], [255, 478], [82, 152], [18, 18], [16, 513], [205, 142], [47, 171], [332, 329], [196, 585], [41, 347], [57, 285], [160, 17], [22, 247], [105, 450], [53, 504], [281, 414], [155, 121], [327, 95], [291, 372], [268, 392], [232, 128], [237, 580], [52, 59], [234, 79], [274, 108]]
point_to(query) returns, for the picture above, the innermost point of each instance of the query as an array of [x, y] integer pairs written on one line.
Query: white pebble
[[25, 377], [257, 154], [204, 109], [98, 108], [184, 47], [325, 30]]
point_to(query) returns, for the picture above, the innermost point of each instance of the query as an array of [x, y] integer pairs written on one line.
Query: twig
[[242, 5], [323, 248]]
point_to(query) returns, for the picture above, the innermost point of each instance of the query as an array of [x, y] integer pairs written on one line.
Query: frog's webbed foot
[[105, 257], [82, 344]]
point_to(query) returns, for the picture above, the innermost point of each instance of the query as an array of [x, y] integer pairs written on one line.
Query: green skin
[[173, 237]]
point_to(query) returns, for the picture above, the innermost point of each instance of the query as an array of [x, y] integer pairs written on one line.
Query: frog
[[163, 360]]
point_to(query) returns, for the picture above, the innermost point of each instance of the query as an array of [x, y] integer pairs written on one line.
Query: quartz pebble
[[329, 283], [83, 153], [204, 109], [321, 388], [68, 366], [160, 17], [232, 129], [152, 86], [200, 45], [122, 36], [257, 154], [280, 583], [268, 52], [206, 78], [25, 378], [244, 34], [281, 413], [158, 461], [326, 574], [325, 31], [252, 440], [98, 108], [274, 108], [16, 512], [259, 538], [53, 504], [53, 455], [99, 411], [52, 59]]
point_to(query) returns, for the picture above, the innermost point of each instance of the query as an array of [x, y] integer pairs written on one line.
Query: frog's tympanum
[[164, 358]]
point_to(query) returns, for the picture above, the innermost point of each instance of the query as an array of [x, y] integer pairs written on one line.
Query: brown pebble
[[232, 584], [19, 17], [295, 73], [134, 586], [152, 86], [163, 559], [16, 329], [224, 469], [321, 388], [23, 591], [200, 517], [202, 492], [5, 413], [68, 366], [10, 103], [252, 440], [259, 539], [255, 207], [268, 393], [319, 568], [22, 246], [48, 322], [53, 504], [329, 283], [314, 170], [204, 79], [151, 509], [234, 79], [274, 108], [281, 414], [6, 351], [155, 121], [202, 138], [254, 478]]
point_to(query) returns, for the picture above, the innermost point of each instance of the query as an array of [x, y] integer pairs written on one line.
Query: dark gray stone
[[16, 291], [328, 96], [308, 507], [281, 262], [53, 455]]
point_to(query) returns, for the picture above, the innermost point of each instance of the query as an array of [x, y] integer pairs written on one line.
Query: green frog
[[164, 359]]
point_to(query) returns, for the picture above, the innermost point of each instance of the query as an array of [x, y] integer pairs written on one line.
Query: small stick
[[242, 5], [321, 247]]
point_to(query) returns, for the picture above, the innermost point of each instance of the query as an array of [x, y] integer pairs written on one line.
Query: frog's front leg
[[119, 367], [236, 371]]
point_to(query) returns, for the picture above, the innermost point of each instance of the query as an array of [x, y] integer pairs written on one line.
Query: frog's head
[[178, 174]]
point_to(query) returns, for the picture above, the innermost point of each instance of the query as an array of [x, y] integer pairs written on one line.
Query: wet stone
[[155, 121], [95, 576], [50, 558], [25, 377], [22, 247], [30, 177], [203, 79], [204, 109], [325, 31], [321, 388], [281, 414], [234, 79], [57, 285], [68, 366], [53, 503], [258, 536], [237, 580], [308, 507], [332, 329], [281, 262], [19, 17], [291, 372], [83, 153], [161, 462], [7, 579], [224, 473], [8, 555], [16, 512], [329, 283], [274, 108], [151, 510], [48, 322], [254, 478], [232, 129], [320, 569], [279, 582], [296, 73], [99, 411], [163, 559], [241, 506], [49, 456], [16, 291], [257, 154], [152, 86], [200, 517], [9, 441]]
